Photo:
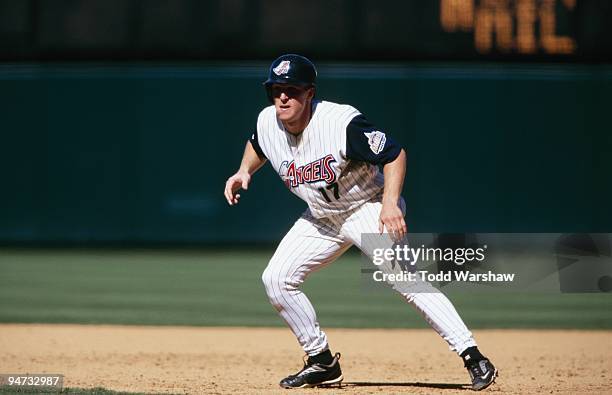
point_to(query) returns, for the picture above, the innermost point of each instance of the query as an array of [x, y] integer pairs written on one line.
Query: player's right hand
[[233, 184]]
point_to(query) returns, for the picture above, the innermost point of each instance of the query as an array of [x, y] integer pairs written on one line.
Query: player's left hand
[[392, 218]]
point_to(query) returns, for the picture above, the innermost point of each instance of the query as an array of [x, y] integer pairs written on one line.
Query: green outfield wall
[[140, 153]]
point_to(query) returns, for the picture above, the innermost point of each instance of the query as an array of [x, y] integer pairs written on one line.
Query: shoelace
[[307, 365], [475, 370]]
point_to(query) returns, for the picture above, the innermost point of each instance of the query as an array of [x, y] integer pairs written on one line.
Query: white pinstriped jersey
[[314, 164]]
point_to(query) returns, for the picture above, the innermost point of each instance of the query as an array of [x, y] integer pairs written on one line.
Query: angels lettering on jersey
[[334, 164], [319, 170]]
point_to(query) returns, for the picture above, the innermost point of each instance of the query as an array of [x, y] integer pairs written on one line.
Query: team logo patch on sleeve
[[376, 140], [282, 68]]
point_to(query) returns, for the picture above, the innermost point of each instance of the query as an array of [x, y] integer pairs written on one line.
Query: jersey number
[[331, 187]]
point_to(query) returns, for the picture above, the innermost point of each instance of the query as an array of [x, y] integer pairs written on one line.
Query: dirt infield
[[252, 360]]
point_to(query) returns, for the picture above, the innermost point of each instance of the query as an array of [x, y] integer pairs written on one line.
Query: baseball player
[[329, 155]]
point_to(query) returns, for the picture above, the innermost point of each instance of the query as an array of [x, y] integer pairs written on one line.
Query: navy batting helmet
[[290, 69]]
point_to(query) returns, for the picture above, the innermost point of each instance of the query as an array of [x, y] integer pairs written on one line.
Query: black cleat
[[315, 375], [483, 374]]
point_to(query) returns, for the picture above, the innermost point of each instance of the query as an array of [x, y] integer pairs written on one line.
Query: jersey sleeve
[[364, 142], [255, 143]]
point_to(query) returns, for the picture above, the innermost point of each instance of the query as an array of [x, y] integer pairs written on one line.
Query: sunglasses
[[289, 90]]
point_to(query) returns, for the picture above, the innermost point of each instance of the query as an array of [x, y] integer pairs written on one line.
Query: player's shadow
[[446, 386]]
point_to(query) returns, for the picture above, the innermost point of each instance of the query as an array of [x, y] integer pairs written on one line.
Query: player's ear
[[311, 92]]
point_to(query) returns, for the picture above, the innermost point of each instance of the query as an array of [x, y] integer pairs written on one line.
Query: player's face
[[292, 103]]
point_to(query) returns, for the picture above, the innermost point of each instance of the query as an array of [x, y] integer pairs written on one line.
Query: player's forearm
[[251, 162], [395, 172]]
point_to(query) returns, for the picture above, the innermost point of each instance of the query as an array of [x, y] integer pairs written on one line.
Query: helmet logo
[[282, 68]]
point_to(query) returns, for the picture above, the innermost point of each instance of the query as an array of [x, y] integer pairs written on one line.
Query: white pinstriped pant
[[310, 245]]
